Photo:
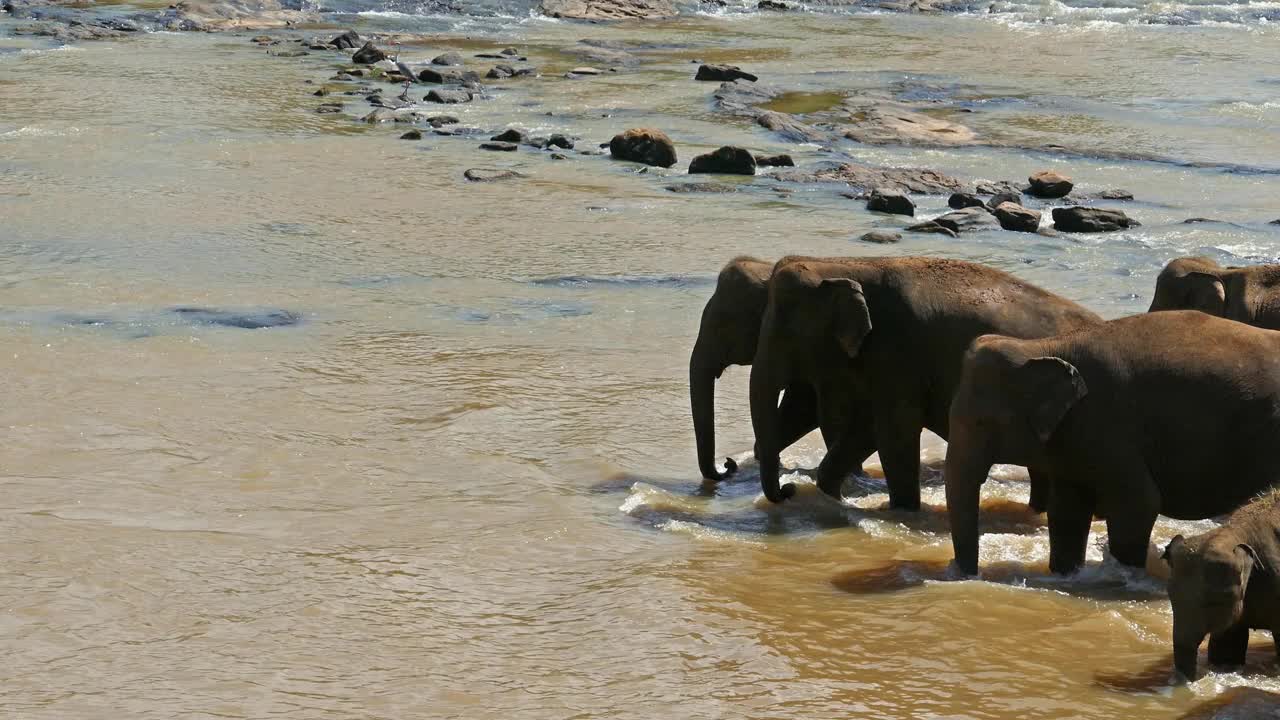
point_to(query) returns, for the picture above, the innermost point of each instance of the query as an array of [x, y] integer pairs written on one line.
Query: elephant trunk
[[765, 422], [703, 371], [966, 469]]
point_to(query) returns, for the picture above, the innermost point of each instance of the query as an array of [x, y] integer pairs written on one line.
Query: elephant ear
[[1206, 293], [1053, 387], [1172, 548], [850, 314]]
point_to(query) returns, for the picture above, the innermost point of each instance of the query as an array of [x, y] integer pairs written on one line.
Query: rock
[[1049, 184], [525, 71], [727, 160], [581, 71], [243, 320], [781, 160], [262, 39], [449, 97], [510, 51], [772, 5], [933, 227], [560, 141], [380, 115], [995, 188], [500, 72], [431, 75], [1086, 220], [449, 59], [593, 54], [1001, 198], [559, 156], [880, 237], [1198, 220], [1238, 703], [348, 40], [866, 178], [702, 187], [499, 146], [967, 219], [1114, 194], [790, 128], [893, 202], [1013, 216], [329, 108], [289, 53], [368, 55], [412, 135], [321, 92], [644, 145], [723, 73], [964, 200], [66, 33], [608, 9], [490, 175], [892, 124], [437, 121], [223, 15], [743, 98], [511, 135]]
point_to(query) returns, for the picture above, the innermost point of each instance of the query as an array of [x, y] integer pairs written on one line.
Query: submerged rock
[[499, 146], [781, 160], [773, 5], [891, 124], [449, 97], [880, 237], [348, 40], [1238, 703], [995, 188], [790, 128], [1049, 184], [412, 135], [1113, 194], [490, 175], [1017, 218], [379, 115], [644, 145], [1089, 220], [702, 187], [608, 9], [727, 160], [866, 178], [561, 141], [511, 135], [247, 320], [933, 227], [894, 202], [449, 59], [962, 200], [500, 72], [723, 73], [966, 220], [368, 55]]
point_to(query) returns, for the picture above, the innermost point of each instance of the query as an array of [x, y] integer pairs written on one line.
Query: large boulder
[[962, 200], [1017, 218], [891, 124], [1049, 184], [1004, 197], [608, 9], [368, 55], [894, 202], [880, 237], [348, 40], [867, 178], [1088, 220], [780, 160], [727, 160], [723, 73], [965, 220], [449, 59], [644, 145], [449, 97]]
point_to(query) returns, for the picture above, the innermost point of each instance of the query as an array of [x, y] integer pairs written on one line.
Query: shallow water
[[460, 481]]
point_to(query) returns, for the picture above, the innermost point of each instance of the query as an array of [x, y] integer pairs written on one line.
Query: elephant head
[[1208, 576], [727, 336], [813, 326], [1008, 405], [1191, 284]]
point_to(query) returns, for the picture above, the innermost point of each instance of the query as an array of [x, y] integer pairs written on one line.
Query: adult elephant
[[891, 332], [1170, 413], [1250, 295], [728, 335]]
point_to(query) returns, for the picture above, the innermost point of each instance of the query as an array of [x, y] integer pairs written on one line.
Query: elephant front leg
[[1131, 507], [845, 456], [898, 441], [1041, 481], [797, 414], [1070, 515], [1229, 647]]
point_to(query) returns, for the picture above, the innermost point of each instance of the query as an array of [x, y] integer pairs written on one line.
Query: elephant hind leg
[[1229, 647], [1070, 515], [1131, 516], [899, 447], [1040, 483]]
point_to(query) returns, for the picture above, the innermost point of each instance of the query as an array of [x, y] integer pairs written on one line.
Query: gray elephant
[[728, 336], [892, 332], [1250, 295], [1169, 413], [1225, 583]]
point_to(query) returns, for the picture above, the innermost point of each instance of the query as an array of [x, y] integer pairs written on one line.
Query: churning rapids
[[298, 422]]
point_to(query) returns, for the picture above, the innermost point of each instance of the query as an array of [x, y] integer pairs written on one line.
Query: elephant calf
[[727, 336], [1250, 295], [1225, 583], [1173, 413]]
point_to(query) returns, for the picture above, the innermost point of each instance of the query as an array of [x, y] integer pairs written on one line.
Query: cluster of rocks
[[652, 147]]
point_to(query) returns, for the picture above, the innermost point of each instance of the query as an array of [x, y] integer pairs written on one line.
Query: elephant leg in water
[[797, 416], [1040, 483], [846, 449]]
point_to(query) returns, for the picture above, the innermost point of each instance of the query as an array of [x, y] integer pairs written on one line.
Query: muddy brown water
[[463, 485]]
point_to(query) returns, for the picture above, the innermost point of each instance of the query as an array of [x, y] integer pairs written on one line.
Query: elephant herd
[[1166, 413]]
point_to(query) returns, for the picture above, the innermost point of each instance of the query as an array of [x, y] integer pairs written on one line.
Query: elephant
[[886, 335], [727, 336], [1250, 295], [1224, 583], [1169, 413]]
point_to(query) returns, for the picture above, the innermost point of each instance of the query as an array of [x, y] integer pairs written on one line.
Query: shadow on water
[[1157, 676]]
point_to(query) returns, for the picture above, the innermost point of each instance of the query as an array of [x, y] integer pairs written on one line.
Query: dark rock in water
[[490, 56], [499, 146], [329, 108], [608, 9], [772, 5], [437, 121], [995, 188], [742, 98], [1088, 220], [644, 145], [380, 115], [510, 51], [727, 160], [500, 72], [881, 237], [320, 93], [536, 142], [448, 59], [348, 40], [449, 97], [368, 55], [490, 175], [581, 72], [782, 160], [559, 156], [431, 75], [933, 227], [1013, 216], [1113, 194], [963, 200], [511, 135], [1049, 184], [1197, 220], [967, 219], [1004, 197], [525, 72], [560, 141], [248, 320], [289, 53], [866, 178], [790, 128], [702, 187], [261, 39], [723, 73], [412, 135], [893, 202]]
